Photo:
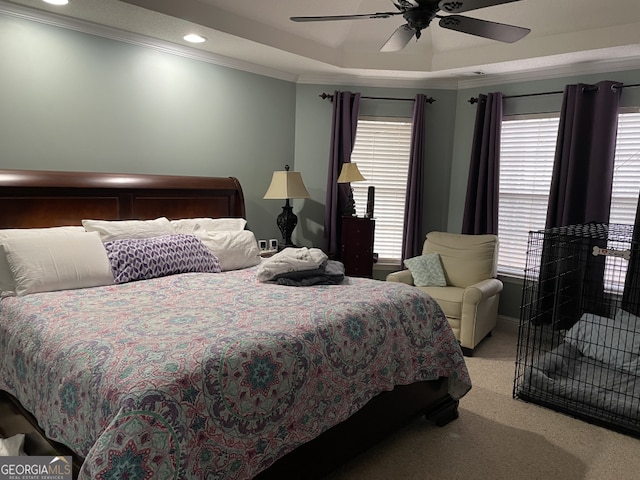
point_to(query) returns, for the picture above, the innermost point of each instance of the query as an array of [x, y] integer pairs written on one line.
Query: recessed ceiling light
[[194, 38], [57, 2]]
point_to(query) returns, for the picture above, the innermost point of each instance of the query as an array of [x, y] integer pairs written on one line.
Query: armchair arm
[[403, 276], [482, 290], [479, 311]]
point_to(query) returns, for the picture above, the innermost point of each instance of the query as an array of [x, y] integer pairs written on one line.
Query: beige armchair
[[470, 298]]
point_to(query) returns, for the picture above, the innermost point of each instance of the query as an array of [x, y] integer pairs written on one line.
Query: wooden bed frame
[[30, 199]]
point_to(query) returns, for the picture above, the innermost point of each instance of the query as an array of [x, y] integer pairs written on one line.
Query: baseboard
[[508, 324]]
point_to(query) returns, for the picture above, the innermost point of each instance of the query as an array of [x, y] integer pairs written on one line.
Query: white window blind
[[526, 164], [527, 149], [382, 154]]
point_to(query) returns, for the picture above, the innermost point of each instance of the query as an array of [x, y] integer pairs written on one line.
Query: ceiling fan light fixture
[[194, 38]]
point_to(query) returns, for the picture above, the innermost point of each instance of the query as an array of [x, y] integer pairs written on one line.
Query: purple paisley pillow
[[144, 258]]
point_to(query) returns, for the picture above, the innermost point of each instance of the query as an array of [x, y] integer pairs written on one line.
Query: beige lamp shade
[[350, 173], [286, 184]]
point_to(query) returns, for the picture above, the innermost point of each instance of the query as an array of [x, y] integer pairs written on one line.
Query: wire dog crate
[[579, 334]]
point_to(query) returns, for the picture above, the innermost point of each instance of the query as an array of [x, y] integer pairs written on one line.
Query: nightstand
[[268, 253], [357, 246]]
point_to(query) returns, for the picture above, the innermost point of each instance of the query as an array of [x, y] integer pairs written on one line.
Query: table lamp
[[348, 174], [286, 185]]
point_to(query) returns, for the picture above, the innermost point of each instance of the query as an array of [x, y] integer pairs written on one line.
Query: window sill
[[510, 278], [382, 269], [391, 266]]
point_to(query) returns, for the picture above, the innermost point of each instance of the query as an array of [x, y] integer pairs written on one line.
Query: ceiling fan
[[420, 13]]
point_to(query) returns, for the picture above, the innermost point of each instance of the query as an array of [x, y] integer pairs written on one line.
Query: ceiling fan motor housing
[[420, 17]]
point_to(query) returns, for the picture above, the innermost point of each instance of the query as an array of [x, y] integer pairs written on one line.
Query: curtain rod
[[329, 96], [473, 100]]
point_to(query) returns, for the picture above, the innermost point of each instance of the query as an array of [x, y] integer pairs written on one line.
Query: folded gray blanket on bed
[[331, 272]]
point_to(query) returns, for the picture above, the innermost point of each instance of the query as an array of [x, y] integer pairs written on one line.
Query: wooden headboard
[[33, 198]]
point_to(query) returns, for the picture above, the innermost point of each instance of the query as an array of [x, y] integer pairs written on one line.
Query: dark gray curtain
[[583, 167], [346, 106], [412, 238], [481, 204], [631, 294], [571, 279]]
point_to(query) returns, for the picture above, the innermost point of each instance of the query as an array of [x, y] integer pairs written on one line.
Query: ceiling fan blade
[[459, 6], [404, 4], [484, 28], [346, 17], [399, 39]]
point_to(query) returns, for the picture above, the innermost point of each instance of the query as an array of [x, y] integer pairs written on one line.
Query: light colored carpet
[[498, 437]]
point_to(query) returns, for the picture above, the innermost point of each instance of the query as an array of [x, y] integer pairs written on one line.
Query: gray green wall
[[72, 101], [77, 102]]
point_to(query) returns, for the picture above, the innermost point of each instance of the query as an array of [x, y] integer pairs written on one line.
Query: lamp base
[[287, 221]]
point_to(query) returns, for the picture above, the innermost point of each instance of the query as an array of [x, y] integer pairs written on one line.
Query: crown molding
[[578, 69], [456, 83], [379, 81]]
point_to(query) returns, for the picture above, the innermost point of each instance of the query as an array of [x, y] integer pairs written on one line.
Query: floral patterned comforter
[[197, 376]]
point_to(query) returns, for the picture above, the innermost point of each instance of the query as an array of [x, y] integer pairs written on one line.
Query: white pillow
[[235, 249], [6, 277], [189, 226], [129, 229], [37, 232], [57, 262], [612, 341], [426, 270]]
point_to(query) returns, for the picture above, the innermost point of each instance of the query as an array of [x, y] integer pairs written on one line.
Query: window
[[382, 154], [526, 163]]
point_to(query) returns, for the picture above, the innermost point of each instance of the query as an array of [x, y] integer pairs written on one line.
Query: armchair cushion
[[426, 270], [449, 299]]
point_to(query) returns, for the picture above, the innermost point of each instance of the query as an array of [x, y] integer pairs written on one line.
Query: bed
[[210, 375]]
